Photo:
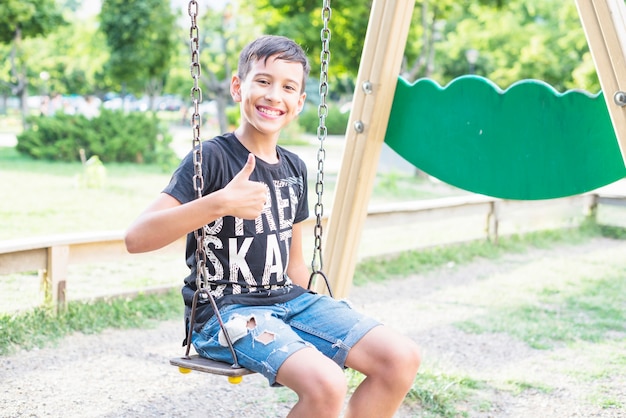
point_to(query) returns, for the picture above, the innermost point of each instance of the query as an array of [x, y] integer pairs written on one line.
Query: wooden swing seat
[[201, 364]]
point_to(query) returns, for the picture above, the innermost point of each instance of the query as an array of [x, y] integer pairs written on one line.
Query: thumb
[[247, 169]]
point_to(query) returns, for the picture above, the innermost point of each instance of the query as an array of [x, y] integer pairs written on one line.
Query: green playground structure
[[527, 142]]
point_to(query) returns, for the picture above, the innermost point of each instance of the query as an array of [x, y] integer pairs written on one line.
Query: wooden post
[[381, 60], [604, 22], [56, 275]]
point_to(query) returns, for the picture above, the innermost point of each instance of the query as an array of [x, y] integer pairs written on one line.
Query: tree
[[140, 36], [20, 20], [521, 39], [73, 57], [515, 39], [224, 33], [302, 21]]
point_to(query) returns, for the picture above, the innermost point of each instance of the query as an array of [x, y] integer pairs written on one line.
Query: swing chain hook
[[322, 112]]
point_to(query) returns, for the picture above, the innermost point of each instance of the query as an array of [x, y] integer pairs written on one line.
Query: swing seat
[[202, 364]]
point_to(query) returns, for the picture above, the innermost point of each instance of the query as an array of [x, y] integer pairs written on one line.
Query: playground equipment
[[379, 99], [604, 23], [528, 142]]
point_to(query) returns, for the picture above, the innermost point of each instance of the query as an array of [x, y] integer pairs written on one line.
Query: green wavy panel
[[527, 142]]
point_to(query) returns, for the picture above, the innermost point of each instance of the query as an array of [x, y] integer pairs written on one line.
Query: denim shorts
[[264, 336]]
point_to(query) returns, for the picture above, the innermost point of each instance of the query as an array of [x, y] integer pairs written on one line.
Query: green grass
[[520, 386], [440, 394], [44, 198], [391, 185], [571, 311], [588, 311], [43, 326], [415, 262]]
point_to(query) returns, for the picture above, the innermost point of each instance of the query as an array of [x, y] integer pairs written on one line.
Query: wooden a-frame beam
[[381, 61], [604, 22]]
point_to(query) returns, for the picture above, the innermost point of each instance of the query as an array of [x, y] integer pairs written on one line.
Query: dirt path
[[126, 373]]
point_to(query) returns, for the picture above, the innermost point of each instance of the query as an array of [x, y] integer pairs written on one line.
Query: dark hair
[[268, 46]]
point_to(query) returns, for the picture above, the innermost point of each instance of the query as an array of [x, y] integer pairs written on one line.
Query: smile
[[269, 112]]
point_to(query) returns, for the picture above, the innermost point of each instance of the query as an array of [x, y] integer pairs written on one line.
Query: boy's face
[[270, 95]]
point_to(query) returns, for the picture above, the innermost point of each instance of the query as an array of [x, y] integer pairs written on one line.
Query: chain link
[[317, 264], [196, 122], [202, 275]]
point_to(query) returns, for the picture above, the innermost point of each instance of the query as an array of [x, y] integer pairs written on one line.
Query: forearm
[[166, 220]]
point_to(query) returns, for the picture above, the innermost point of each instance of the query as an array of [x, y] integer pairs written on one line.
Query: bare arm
[[166, 219], [297, 269]]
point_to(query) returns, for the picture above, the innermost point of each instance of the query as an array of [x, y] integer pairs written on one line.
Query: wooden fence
[[388, 229]]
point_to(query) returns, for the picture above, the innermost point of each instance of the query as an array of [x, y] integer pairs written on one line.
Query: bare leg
[[319, 383], [390, 361]]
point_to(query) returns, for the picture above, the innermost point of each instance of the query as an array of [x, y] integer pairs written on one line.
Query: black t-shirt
[[246, 259]]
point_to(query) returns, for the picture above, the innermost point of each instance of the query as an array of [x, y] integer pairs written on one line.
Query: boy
[[252, 206]]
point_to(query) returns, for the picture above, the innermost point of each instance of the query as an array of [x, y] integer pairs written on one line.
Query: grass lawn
[[45, 198], [41, 198]]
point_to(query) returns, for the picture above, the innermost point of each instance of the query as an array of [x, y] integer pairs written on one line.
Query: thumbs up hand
[[247, 198]]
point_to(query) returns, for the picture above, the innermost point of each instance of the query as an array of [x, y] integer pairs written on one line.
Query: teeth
[[269, 112]]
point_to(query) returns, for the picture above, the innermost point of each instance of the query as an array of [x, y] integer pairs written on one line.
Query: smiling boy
[[252, 207]]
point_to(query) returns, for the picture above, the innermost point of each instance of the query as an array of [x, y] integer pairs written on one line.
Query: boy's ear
[[301, 102], [235, 88]]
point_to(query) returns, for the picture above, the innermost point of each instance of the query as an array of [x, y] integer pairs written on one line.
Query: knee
[[327, 391], [413, 358], [327, 387], [404, 363], [320, 384]]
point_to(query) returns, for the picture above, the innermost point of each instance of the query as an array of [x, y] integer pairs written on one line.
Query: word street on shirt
[[243, 248]]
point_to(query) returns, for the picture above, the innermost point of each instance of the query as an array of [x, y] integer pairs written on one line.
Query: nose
[[272, 94]]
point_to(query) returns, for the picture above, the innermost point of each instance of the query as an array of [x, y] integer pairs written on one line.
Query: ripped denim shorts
[[264, 336]]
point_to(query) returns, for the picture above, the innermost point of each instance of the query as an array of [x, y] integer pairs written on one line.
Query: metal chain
[[202, 280], [196, 122], [317, 264]]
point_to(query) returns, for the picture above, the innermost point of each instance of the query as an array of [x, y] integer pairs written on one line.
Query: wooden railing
[[388, 229]]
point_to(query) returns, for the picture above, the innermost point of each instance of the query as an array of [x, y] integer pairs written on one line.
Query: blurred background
[[81, 56]]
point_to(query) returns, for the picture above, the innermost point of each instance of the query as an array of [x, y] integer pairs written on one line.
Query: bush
[[233, 115], [336, 121], [114, 136]]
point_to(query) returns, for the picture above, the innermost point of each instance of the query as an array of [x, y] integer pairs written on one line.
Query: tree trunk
[[18, 69]]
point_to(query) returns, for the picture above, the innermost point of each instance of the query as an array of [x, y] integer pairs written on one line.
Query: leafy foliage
[[113, 136], [516, 39], [336, 122], [537, 39], [31, 17], [302, 21], [75, 67], [21, 20], [140, 37]]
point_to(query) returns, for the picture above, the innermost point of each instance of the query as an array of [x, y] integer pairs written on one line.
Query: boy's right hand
[[246, 198]]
